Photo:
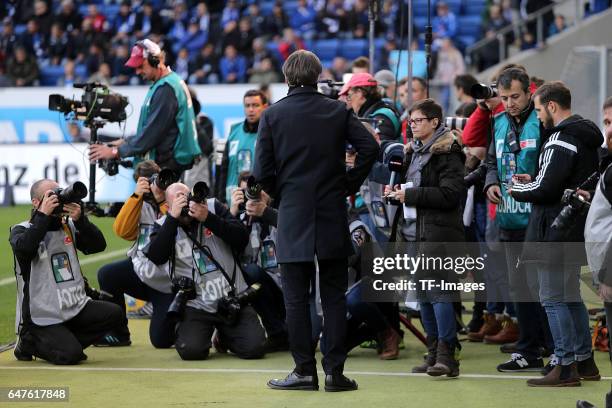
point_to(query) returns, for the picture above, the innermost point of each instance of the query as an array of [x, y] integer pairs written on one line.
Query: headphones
[[152, 59]]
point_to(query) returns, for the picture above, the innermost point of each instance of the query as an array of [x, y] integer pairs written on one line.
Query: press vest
[[511, 214], [186, 147], [154, 276], [598, 232], [55, 288], [241, 155], [189, 261]]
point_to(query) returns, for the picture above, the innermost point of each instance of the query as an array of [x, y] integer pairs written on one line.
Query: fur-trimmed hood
[[444, 145]]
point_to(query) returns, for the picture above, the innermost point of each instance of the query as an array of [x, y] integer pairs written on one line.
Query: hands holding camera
[[198, 211], [256, 208], [238, 199], [142, 186], [50, 202]]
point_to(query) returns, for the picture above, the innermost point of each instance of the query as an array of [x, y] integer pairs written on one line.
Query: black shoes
[[338, 382], [20, 353], [294, 381]]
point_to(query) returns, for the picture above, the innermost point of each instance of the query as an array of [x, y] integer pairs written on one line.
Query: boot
[[508, 334], [560, 376], [491, 326], [389, 339], [587, 370], [430, 357], [477, 320], [446, 363]]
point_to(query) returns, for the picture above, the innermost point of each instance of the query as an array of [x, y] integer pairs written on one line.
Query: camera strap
[[206, 251]]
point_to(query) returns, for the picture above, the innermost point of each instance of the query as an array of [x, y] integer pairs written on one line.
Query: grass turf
[[142, 376]]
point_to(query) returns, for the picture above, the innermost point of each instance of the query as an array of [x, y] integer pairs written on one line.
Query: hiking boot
[[560, 376], [446, 363], [587, 370], [508, 334], [389, 339], [429, 358], [519, 363], [490, 327]]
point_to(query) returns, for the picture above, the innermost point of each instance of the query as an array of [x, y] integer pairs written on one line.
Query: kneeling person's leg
[[55, 344], [194, 334], [95, 320], [246, 338]]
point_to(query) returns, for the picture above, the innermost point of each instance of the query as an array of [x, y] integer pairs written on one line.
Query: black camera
[[228, 307], [198, 194], [330, 88], [253, 189], [483, 91], [97, 102], [574, 206], [184, 289], [74, 193], [454, 123], [162, 180]]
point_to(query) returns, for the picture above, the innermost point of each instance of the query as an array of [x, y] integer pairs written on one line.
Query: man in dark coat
[[299, 159]]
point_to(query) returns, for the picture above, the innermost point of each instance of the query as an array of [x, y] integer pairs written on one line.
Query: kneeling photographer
[[137, 275], [55, 317], [199, 238], [251, 205], [568, 158]]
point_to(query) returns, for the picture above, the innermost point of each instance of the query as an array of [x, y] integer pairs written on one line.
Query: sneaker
[[218, 344], [518, 363], [113, 340], [550, 365], [369, 344]]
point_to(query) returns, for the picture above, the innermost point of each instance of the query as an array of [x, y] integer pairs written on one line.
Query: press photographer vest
[[55, 289], [241, 155], [511, 214], [262, 251], [186, 147], [189, 261], [154, 276], [597, 233]]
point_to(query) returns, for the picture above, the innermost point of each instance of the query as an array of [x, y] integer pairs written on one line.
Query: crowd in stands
[[58, 42]]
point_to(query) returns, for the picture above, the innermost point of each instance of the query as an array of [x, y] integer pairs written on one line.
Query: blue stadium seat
[[272, 48], [453, 5], [474, 7], [420, 23], [469, 25], [326, 49], [80, 71], [464, 41], [351, 49], [289, 7], [49, 74], [20, 29], [266, 8], [419, 8]]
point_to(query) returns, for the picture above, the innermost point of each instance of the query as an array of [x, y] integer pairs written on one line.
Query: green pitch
[[142, 376]]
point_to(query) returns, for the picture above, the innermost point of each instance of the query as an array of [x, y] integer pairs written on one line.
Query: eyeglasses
[[417, 121]]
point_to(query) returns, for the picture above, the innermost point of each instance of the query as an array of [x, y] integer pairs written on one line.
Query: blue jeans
[[365, 319], [567, 316], [439, 320], [367, 220]]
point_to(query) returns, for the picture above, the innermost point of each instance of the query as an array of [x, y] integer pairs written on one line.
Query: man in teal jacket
[[166, 127], [239, 154]]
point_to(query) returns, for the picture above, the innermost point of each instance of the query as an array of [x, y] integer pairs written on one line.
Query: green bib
[[241, 155], [186, 148]]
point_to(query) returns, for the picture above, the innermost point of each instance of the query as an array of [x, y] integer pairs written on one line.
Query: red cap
[[136, 58], [360, 79]]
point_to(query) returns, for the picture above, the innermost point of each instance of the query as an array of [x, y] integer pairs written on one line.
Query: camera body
[[198, 194], [97, 101], [574, 206], [330, 88], [162, 180], [74, 193], [228, 307], [184, 289], [483, 91], [455, 123]]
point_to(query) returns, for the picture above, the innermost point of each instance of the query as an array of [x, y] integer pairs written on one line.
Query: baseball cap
[[384, 77], [137, 56], [360, 79]]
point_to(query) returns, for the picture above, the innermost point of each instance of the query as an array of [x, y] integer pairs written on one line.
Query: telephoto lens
[[483, 91], [74, 193], [198, 194], [454, 123]]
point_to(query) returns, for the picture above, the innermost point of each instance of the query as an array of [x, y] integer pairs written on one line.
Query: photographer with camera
[[137, 275], [569, 156], [239, 153], [251, 205], [55, 317], [199, 238], [166, 128]]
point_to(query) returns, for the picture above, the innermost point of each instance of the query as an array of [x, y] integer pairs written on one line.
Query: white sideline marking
[[86, 261], [264, 371]]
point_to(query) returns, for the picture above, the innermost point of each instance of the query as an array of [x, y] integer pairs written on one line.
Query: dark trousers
[[245, 339], [269, 301], [64, 343], [296, 278], [608, 309], [118, 278]]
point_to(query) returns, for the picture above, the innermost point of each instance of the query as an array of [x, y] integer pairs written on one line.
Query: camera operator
[[568, 157], [514, 150], [261, 262], [137, 275], [166, 128], [55, 317], [198, 237], [364, 98], [239, 153]]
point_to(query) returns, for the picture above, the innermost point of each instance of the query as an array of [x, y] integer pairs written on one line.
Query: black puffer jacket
[[438, 198], [567, 158]]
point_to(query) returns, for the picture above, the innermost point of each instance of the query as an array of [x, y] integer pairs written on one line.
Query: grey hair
[[302, 68]]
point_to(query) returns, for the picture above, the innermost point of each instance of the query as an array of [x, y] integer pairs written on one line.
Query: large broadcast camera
[[98, 105]]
